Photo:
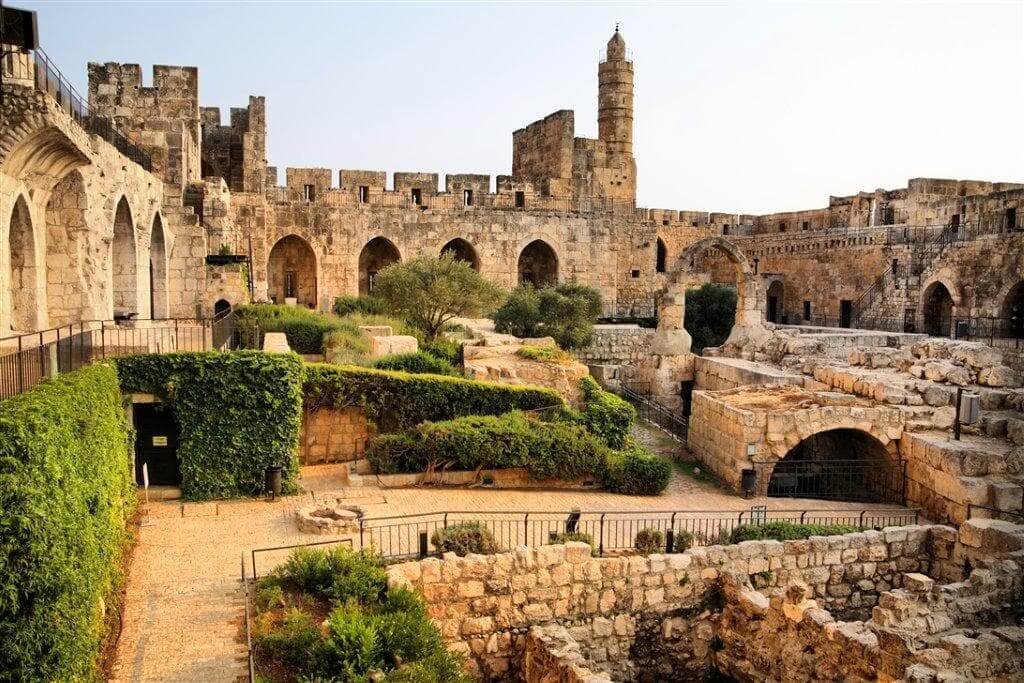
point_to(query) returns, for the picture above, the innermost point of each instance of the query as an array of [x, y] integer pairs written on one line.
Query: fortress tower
[[615, 98]]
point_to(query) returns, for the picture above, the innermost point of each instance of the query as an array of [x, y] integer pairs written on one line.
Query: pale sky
[[746, 107]]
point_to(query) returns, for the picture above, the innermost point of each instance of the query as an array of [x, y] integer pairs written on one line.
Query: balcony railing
[[39, 71]]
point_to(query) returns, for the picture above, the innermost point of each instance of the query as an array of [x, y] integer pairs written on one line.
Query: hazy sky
[[741, 107]]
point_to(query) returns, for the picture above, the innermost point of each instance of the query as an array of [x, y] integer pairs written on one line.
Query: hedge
[[237, 413], [787, 531], [399, 400], [605, 415], [66, 494], [636, 471], [304, 329], [418, 362], [546, 449]]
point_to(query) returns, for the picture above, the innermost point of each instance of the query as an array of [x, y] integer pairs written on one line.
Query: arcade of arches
[[124, 264], [291, 272], [538, 265], [375, 256]]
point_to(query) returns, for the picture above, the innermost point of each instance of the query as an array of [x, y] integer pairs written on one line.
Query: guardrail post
[[526, 529], [600, 549], [803, 514], [42, 358], [21, 368], [423, 544], [860, 522], [361, 544]]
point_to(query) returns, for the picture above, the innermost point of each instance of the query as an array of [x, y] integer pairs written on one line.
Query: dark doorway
[[937, 310], [538, 265], [774, 303], [221, 308], [156, 444], [686, 393], [845, 313]]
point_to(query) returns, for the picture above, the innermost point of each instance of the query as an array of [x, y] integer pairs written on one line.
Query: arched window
[[291, 272], [462, 250], [124, 264], [67, 297], [937, 310], [774, 302], [23, 279], [221, 308], [157, 271], [375, 256], [538, 265]]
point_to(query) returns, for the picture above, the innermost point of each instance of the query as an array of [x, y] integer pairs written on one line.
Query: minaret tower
[[615, 98]]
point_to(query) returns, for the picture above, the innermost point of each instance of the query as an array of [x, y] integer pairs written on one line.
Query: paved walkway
[[184, 604]]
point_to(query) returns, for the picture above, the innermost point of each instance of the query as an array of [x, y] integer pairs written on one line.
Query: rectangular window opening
[[308, 192], [520, 200], [807, 310], [467, 197], [417, 196], [1011, 218], [782, 227], [635, 273], [364, 194], [807, 225]]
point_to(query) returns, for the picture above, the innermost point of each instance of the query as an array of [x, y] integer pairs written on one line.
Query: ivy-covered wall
[[66, 494], [399, 400], [237, 413]]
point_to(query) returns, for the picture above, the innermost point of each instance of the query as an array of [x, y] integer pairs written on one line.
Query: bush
[[351, 648], [294, 642], [605, 415], [66, 495], [465, 538], [787, 531], [566, 312], [649, 541], [345, 346], [446, 350], [397, 400], [416, 363], [637, 472], [545, 449], [337, 574], [710, 315], [430, 291], [682, 540], [545, 354], [577, 537], [305, 329], [343, 305], [237, 412]]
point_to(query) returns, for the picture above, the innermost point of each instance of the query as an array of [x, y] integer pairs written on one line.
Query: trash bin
[[272, 480], [748, 482]]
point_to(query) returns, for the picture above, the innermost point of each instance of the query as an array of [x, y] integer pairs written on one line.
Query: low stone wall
[[333, 435], [716, 374], [617, 345], [619, 609]]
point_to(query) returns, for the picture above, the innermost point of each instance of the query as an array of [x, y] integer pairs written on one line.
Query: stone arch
[[66, 250], [462, 250], [376, 255], [44, 152], [840, 462], [124, 266], [158, 303], [937, 309], [1011, 310], [538, 264], [291, 272], [671, 338], [660, 257], [221, 307], [22, 269], [775, 301]]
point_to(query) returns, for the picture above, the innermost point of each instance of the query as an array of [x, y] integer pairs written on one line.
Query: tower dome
[[616, 45]]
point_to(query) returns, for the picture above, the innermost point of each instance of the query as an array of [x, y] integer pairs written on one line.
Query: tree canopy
[[710, 315], [566, 312]]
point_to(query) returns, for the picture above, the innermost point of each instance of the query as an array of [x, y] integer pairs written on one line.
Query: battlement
[[236, 152]]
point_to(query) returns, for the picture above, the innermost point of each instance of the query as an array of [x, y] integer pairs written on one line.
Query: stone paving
[[184, 606]]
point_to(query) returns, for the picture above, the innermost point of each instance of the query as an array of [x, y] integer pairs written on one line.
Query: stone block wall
[[617, 345], [542, 152], [485, 605], [334, 435]]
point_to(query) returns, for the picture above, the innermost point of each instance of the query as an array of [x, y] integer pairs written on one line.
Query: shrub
[[294, 642], [465, 538], [351, 648], [446, 350], [343, 305], [305, 329], [66, 494], [546, 449], [237, 412], [787, 531], [710, 314], [682, 540], [566, 312], [636, 471], [397, 400], [417, 363], [578, 537], [430, 291], [605, 415], [337, 574], [347, 345], [406, 637], [648, 541], [545, 354]]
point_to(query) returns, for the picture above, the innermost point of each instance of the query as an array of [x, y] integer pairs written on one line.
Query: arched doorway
[[838, 464], [375, 256], [23, 275], [461, 250], [67, 297], [157, 271], [661, 257], [291, 272], [538, 265], [774, 302], [937, 310], [124, 264], [1012, 312], [221, 308]]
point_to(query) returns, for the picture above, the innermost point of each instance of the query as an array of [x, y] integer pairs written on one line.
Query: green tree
[[429, 291], [566, 312], [710, 314]]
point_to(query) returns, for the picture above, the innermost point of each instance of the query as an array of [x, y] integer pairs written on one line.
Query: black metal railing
[[647, 408], [984, 511], [47, 78], [28, 358], [848, 480], [403, 537]]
